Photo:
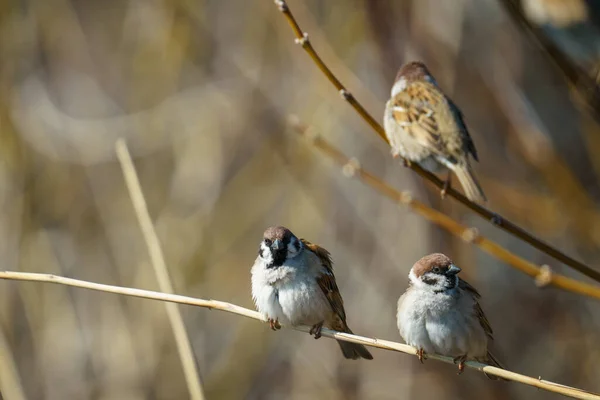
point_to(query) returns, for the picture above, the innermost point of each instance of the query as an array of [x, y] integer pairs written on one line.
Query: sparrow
[[440, 313], [424, 126], [293, 283]]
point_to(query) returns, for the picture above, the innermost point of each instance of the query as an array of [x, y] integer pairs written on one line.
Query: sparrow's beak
[[453, 270], [277, 244]]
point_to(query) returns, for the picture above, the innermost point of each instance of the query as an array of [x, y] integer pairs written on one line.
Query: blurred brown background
[[202, 91]]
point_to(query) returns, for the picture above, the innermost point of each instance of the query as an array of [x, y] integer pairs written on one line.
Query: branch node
[[303, 41], [282, 6], [346, 95], [349, 169], [470, 235], [294, 120], [406, 197], [544, 278], [496, 219]]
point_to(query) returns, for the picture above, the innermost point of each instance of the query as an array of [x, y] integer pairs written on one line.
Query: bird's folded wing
[[485, 324], [326, 280]]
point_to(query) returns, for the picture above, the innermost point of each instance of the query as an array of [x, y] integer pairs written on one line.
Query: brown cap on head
[[278, 232], [427, 263], [413, 71]]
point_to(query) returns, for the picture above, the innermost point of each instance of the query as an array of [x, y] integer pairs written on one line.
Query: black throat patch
[[279, 257]]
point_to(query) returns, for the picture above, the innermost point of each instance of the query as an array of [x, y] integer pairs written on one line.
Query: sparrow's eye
[[436, 270], [268, 242]]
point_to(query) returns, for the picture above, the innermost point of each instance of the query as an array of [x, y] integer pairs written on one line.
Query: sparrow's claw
[[461, 363], [447, 185], [274, 324], [406, 162], [316, 329], [420, 354]]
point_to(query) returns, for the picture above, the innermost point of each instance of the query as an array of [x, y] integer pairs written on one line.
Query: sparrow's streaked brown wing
[[414, 110], [327, 284], [326, 280], [466, 138], [485, 324], [434, 121]]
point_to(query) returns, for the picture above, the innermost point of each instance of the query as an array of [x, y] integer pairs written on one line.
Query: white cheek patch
[[412, 277], [399, 86], [265, 253], [416, 282]]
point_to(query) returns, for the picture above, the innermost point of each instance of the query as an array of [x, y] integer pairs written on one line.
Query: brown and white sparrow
[[293, 283], [440, 313], [423, 125]]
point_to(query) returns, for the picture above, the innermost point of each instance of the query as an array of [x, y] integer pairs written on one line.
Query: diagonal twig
[[184, 347], [490, 216], [351, 167], [234, 309]]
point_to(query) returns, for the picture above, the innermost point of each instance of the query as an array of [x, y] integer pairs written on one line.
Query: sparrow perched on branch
[[424, 126], [293, 283], [440, 313]]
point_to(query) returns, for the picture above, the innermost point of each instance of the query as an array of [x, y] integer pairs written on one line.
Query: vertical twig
[[157, 260], [10, 384]]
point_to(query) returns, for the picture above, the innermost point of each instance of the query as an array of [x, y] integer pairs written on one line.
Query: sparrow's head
[[435, 272], [279, 244], [411, 72]]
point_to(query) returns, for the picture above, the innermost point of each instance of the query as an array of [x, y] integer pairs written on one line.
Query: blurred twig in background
[[351, 168], [582, 81], [494, 218], [234, 309], [184, 347]]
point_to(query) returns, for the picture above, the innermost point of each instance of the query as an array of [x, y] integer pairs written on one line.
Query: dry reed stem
[[234, 309], [351, 168], [184, 347], [490, 216]]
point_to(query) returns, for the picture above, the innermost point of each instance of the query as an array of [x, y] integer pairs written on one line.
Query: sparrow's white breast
[[290, 293], [441, 323]]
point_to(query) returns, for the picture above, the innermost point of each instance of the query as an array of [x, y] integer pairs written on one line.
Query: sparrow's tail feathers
[[493, 361], [354, 351], [470, 185]]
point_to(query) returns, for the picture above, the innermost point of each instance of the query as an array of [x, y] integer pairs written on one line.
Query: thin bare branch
[[351, 168], [234, 309], [490, 216], [184, 347]]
